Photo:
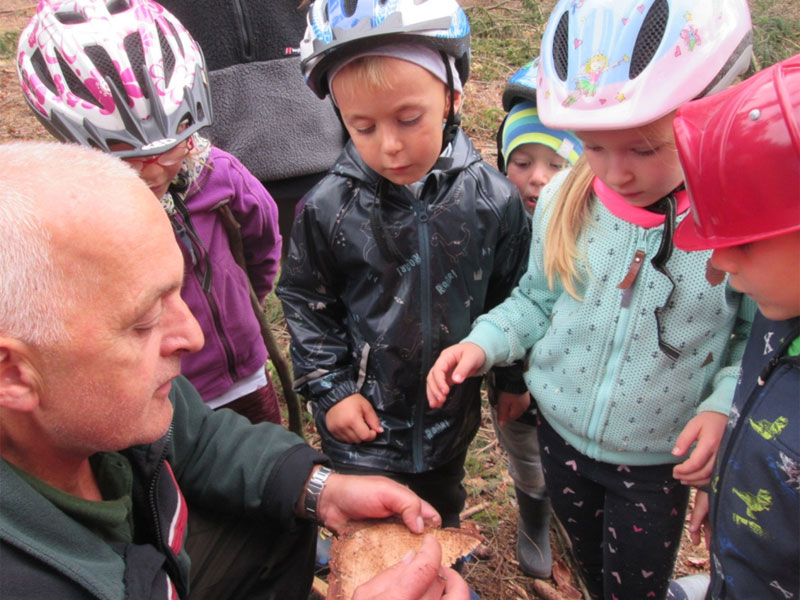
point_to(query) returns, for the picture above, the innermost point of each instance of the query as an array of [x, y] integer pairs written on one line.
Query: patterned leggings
[[624, 523]]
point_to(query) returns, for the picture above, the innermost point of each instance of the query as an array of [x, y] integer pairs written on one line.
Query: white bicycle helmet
[[101, 72], [338, 28], [616, 64]]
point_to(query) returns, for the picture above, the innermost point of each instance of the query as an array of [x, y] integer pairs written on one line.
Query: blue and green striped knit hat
[[523, 126]]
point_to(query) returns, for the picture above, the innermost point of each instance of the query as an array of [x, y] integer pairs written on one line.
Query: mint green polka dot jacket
[[594, 365]]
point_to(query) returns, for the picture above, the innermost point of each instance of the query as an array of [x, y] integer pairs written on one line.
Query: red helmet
[[740, 152]]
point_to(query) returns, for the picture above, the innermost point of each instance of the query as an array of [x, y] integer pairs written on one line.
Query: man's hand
[[419, 576], [454, 365], [698, 523], [707, 429], [354, 497], [353, 420], [511, 406]]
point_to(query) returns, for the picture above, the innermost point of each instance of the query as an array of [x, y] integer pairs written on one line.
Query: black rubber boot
[[533, 538]]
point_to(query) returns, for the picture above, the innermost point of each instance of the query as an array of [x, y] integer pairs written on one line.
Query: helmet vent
[[117, 6], [135, 53], [40, 68], [70, 17], [561, 47], [103, 63], [349, 7], [167, 55], [175, 36], [74, 83], [650, 37]]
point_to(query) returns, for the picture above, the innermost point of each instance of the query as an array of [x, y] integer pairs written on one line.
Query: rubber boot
[[690, 587], [533, 538]]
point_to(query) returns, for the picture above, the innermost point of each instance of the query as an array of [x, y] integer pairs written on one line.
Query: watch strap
[[314, 490]]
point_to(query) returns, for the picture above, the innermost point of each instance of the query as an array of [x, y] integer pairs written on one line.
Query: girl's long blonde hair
[[570, 213]]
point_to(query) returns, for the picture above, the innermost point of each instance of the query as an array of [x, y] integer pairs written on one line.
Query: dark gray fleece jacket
[[264, 113]]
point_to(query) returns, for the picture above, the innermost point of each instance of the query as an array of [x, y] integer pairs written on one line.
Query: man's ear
[[19, 389]]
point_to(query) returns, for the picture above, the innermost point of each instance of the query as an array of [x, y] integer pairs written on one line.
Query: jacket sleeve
[[726, 378], [511, 258], [510, 329], [225, 463], [257, 213], [322, 356]]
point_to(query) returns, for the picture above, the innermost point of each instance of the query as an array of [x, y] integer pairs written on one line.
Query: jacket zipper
[[151, 497], [244, 39], [418, 446], [607, 382], [226, 346]]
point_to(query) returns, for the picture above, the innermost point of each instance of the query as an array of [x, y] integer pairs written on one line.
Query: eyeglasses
[[171, 157]]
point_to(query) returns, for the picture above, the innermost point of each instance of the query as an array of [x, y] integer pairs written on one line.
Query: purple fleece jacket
[[233, 347]]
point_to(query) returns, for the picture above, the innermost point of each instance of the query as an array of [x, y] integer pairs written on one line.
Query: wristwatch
[[314, 490]]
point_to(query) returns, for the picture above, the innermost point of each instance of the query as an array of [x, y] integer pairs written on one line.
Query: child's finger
[[437, 387], [465, 368], [686, 438], [372, 420]]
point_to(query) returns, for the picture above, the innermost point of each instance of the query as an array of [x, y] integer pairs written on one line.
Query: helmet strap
[[453, 122], [659, 263]]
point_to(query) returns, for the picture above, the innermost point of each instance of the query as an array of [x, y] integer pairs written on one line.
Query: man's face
[[766, 271], [107, 388], [397, 127]]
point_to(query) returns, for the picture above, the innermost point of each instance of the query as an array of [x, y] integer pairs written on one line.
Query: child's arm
[[353, 420], [706, 429], [454, 365], [309, 290], [513, 250], [257, 213], [709, 424]]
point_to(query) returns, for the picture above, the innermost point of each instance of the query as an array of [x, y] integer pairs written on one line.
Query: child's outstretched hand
[[707, 429], [353, 420], [454, 365]]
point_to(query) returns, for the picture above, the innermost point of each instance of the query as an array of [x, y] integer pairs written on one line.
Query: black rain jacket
[[369, 321]]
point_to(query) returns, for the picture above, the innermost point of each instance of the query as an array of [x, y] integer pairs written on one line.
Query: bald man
[[103, 445]]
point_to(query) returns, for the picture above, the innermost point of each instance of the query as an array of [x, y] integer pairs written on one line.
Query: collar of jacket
[[642, 217], [462, 155]]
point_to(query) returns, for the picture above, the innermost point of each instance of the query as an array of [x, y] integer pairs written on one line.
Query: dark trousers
[[259, 406], [624, 523], [441, 487], [248, 559]]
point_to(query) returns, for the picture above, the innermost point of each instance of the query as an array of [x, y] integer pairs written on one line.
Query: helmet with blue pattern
[[340, 28]]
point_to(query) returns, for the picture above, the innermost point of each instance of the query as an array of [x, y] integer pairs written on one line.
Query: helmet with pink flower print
[[619, 64], [123, 76]]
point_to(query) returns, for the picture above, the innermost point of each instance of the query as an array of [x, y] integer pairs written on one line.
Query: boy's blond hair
[[371, 70]]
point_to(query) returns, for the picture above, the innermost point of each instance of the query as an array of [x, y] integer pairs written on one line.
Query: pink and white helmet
[[104, 72], [617, 64]]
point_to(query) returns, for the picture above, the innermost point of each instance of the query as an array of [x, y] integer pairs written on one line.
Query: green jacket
[[219, 460]]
